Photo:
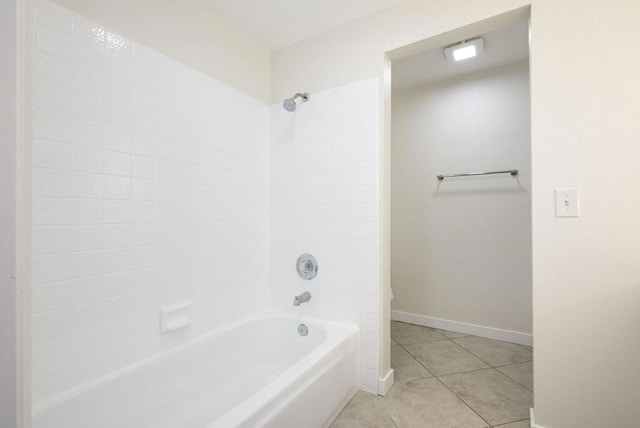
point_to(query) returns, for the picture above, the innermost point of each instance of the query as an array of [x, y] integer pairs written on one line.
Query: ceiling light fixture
[[464, 50]]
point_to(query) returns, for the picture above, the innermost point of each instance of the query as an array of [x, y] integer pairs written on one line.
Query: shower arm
[[304, 96]]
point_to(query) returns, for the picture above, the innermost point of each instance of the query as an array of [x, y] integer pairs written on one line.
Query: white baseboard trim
[[385, 383], [532, 418], [461, 327]]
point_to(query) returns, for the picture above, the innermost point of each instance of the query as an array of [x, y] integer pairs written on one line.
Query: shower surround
[[324, 200], [149, 188], [155, 184]]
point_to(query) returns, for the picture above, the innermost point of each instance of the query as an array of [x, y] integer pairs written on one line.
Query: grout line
[[449, 389], [422, 343], [465, 349], [389, 415], [513, 364], [504, 374], [490, 367], [465, 372], [507, 423], [493, 367], [465, 403]]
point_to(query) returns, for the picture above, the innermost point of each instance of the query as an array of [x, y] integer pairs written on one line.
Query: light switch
[[567, 202]]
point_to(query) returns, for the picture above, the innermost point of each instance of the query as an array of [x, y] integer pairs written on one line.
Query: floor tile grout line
[[469, 405], [530, 390], [418, 361], [464, 402], [386, 412], [462, 347], [512, 364], [490, 367], [487, 368], [471, 352], [468, 371], [420, 343], [497, 367], [508, 423], [449, 389], [465, 372]]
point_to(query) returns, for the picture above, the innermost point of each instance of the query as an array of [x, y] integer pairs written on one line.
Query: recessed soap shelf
[[175, 317]]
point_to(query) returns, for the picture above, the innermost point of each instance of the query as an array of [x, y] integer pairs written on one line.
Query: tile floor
[[445, 380]]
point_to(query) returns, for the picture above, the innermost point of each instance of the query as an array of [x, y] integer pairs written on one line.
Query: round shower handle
[[307, 266]]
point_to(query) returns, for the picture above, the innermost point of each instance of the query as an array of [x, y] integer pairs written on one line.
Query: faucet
[[304, 297]]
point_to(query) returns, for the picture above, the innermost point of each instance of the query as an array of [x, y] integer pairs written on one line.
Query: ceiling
[[503, 46], [280, 23]]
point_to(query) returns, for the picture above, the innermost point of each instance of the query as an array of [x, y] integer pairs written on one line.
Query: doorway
[[460, 232]]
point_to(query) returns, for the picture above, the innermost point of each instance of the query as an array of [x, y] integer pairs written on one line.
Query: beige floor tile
[[406, 334], [495, 352], [365, 410], [451, 334], [405, 366], [426, 403], [528, 348], [519, 424], [444, 357], [521, 373], [492, 395]]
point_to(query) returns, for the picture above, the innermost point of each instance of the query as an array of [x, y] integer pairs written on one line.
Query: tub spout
[[304, 297]]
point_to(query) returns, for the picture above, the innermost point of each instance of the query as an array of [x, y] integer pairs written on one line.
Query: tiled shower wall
[[324, 201], [149, 188]]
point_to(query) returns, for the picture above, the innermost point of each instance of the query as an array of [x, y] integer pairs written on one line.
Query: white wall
[[8, 137], [191, 33], [585, 132], [149, 188], [324, 201], [461, 248]]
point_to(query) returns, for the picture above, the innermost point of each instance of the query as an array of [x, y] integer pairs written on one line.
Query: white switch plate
[[567, 202]]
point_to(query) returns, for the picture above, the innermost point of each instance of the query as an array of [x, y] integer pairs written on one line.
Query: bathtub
[[257, 373]]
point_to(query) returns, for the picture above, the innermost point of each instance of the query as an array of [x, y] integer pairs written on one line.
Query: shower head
[[290, 103]]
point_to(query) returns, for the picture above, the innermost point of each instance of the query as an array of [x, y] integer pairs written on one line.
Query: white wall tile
[[51, 155], [139, 164], [324, 200], [54, 42], [51, 267], [86, 237], [51, 296], [87, 211], [51, 239], [117, 211]]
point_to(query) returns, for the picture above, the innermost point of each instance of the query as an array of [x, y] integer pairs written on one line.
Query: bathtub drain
[[303, 330]]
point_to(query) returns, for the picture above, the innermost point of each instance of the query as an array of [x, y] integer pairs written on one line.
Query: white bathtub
[[260, 373]]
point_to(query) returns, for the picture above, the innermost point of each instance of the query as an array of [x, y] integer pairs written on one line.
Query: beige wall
[[8, 313], [585, 128], [189, 32], [357, 50], [476, 122], [586, 133]]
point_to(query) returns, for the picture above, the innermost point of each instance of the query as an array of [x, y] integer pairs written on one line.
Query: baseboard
[[385, 383], [465, 328]]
